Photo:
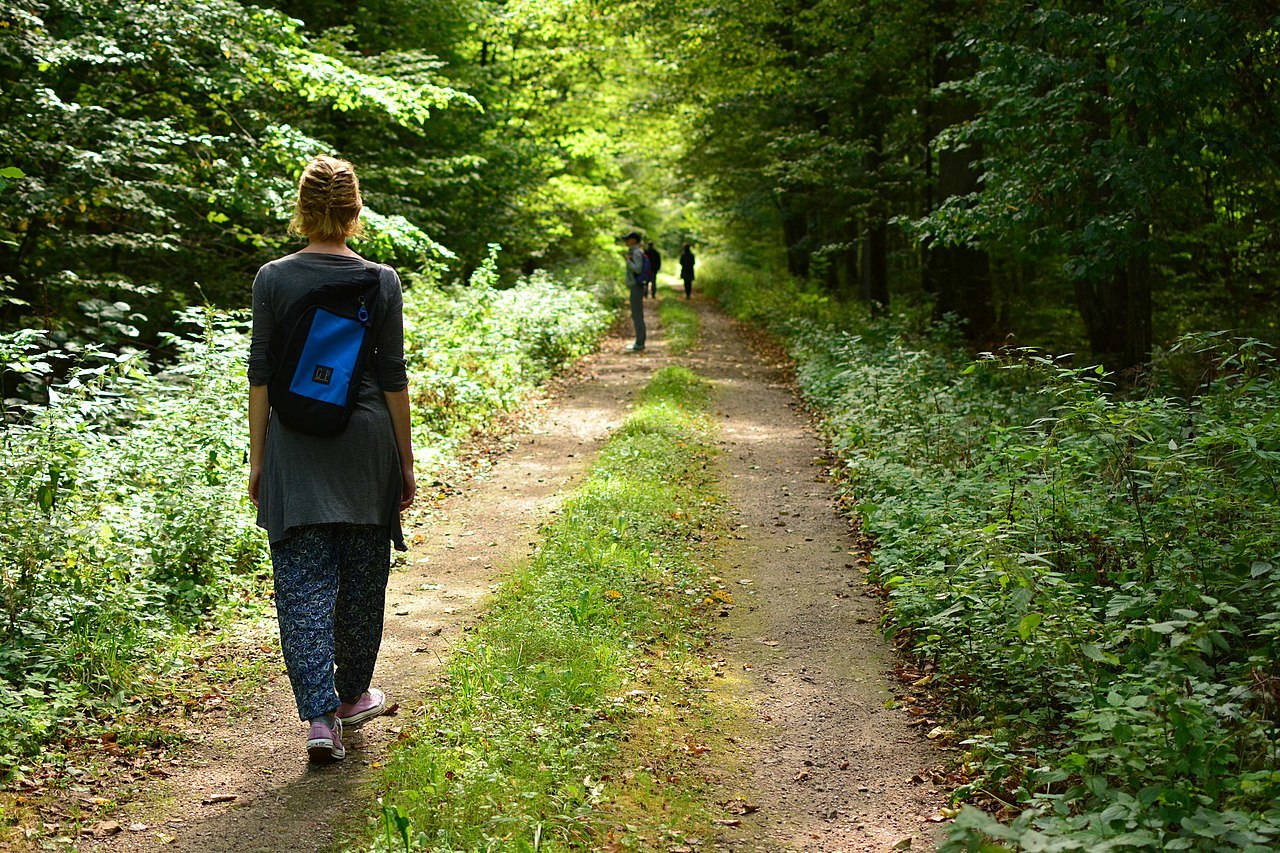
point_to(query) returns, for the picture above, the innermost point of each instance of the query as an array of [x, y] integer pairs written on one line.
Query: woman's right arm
[[259, 375], [259, 417]]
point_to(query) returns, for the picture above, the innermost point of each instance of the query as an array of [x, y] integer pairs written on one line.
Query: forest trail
[[828, 766]]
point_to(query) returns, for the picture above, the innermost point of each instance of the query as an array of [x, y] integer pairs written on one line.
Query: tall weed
[[1094, 574]]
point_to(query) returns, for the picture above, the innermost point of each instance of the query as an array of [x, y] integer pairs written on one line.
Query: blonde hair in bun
[[328, 205]]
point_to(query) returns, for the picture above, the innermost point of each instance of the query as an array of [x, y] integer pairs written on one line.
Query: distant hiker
[[636, 264], [686, 270], [331, 504], [655, 264]]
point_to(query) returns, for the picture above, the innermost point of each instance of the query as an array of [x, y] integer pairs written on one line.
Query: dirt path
[[829, 767], [245, 784]]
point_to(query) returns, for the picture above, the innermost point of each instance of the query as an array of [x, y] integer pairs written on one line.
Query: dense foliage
[[1095, 577], [1085, 175], [123, 514], [150, 150]]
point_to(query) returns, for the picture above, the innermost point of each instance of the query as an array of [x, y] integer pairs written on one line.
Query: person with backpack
[[686, 270], [655, 264], [330, 455], [637, 268]]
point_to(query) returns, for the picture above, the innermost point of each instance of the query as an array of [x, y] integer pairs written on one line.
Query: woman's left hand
[[408, 488]]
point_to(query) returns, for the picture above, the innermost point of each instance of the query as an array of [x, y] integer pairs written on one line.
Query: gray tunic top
[[352, 477]]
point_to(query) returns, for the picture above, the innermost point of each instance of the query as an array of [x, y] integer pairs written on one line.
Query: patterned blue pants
[[331, 584]]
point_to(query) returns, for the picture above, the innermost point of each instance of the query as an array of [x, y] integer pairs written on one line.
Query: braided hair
[[328, 205]]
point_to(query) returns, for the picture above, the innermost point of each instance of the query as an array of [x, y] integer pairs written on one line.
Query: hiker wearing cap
[[636, 285]]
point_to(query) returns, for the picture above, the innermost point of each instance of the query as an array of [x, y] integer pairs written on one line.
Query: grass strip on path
[[679, 323], [521, 746]]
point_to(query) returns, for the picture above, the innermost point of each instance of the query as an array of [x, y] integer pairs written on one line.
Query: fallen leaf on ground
[[105, 829], [728, 821]]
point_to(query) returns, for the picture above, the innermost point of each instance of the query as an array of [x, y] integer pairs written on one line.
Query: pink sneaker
[[370, 704], [324, 744]]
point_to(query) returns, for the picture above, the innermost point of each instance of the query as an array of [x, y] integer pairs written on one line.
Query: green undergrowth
[[124, 525], [679, 325], [522, 746], [475, 351], [1091, 574]]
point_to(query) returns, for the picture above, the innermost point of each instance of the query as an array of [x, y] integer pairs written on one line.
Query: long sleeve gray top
[[352, 477], [635, 263]]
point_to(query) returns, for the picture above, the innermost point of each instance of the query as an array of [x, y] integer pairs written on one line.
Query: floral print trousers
[[331, 584]]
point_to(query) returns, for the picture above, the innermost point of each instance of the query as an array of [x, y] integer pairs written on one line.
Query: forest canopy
[[150, 150], [1098, 174]]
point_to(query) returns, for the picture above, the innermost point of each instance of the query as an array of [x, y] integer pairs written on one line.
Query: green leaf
[[1028, 624], [1095, 653], [12, 172]]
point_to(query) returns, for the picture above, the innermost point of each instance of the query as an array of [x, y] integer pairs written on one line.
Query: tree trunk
[[1116, 309], [875, 246], [795, 234], [853, 241], [875, 265], [960, 276]]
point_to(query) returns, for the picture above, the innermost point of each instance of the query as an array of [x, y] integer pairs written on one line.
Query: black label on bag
[[323, 375]]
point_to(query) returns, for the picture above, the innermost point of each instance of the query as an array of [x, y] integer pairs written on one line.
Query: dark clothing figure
[[686, 270], [636, 287], [655, 264]]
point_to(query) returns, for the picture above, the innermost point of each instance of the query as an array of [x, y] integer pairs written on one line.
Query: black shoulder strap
[[370, 281]]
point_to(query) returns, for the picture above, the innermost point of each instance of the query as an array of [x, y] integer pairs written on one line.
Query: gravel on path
[[830, 767]]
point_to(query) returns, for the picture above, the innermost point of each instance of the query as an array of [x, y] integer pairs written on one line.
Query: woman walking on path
[[331, 504], [686, 270]]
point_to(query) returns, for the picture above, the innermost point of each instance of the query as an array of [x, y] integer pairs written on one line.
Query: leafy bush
[[123, 514], [120, 520], [1093, 574], [474, 352]]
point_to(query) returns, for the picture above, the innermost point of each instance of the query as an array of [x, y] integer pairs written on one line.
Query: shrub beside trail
[[1093, 573]]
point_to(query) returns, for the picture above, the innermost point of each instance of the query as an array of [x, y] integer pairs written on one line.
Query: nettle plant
[[122, 518], [475, 351], [1092, 570]]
